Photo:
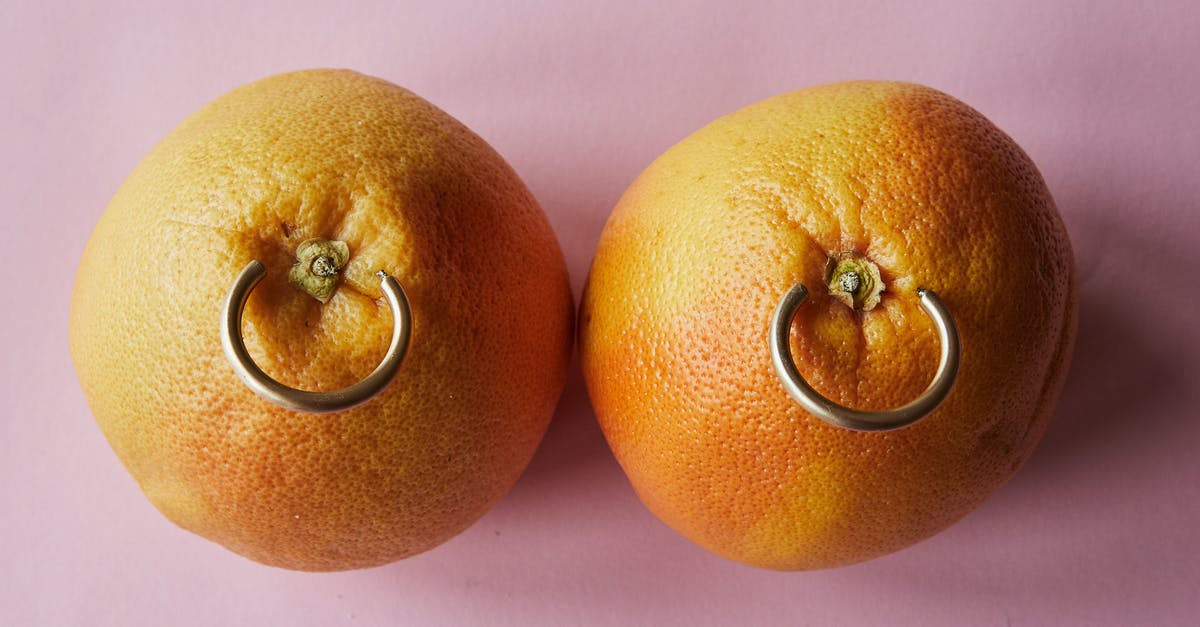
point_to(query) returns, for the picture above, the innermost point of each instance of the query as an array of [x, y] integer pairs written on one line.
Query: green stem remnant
[[854, 280], [317, 265]]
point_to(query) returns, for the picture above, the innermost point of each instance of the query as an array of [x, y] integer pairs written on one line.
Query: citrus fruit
[[915, 189], [380, 180]]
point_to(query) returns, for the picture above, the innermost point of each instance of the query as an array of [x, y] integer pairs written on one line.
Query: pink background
[[1099, 528]]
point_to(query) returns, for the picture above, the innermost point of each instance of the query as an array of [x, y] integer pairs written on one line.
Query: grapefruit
[[909, 185], [383, 181]]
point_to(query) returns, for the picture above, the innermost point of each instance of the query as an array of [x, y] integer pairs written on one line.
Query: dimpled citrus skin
[[701, 249], [340, 156]]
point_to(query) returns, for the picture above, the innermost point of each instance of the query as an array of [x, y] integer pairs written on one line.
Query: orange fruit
[[407, 189], [704, 244]]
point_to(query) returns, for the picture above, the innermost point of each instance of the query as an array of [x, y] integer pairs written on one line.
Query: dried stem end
[[317, 264], [854, 280]]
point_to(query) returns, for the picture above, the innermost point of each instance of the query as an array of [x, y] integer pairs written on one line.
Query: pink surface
[[1099, 528]]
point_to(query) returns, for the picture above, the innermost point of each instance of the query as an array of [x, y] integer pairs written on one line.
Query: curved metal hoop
[[301, 400], [838, 415]]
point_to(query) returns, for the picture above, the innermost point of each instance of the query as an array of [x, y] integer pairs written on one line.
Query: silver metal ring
[[301, 400], [838, 415]]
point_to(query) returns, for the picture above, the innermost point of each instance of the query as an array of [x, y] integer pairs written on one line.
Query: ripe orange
[[704, 244], [410, 191]]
